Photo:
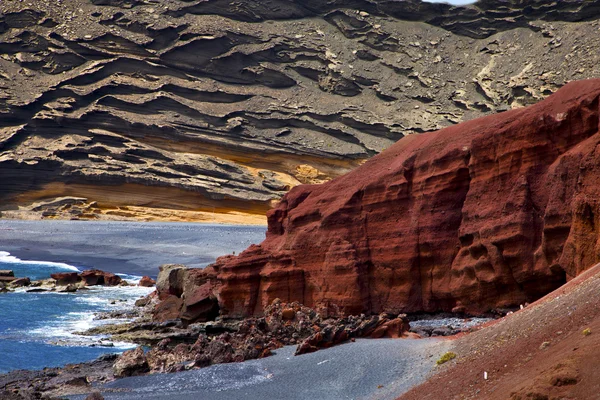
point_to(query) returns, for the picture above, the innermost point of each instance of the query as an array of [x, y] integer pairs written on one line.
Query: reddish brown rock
[[146, 281], [168, 309], [489, 213], [131, 363], [199, 295], [66, 278], [288, 314], [395, 328], [94, 277]]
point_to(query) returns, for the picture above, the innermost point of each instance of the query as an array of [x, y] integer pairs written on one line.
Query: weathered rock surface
[[131, 363], [191, 110], [54, 383], [491, 213], [66, 278], [146, 281], [93, 277], [177, 347]]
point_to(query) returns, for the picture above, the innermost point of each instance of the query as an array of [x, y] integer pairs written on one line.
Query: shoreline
[[135, 248]]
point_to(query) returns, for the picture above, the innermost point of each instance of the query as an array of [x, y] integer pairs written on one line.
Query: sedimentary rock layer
[[490, 213], [217, 106]]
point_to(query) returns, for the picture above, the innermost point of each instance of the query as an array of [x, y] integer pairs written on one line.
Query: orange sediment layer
[[144, 203]]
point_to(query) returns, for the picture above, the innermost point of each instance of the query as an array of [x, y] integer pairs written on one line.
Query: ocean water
[[37, 330]]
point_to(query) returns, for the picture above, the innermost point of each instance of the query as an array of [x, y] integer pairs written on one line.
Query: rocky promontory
[[493, 212], [211, 110]]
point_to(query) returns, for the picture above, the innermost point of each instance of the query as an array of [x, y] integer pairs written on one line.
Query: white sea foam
[[62, 330], [7, 258]]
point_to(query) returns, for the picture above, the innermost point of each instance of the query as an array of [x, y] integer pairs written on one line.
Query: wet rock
[[20, 282], [93, 277], [143, 302], [146, 281], [66, 278], [71, 288]]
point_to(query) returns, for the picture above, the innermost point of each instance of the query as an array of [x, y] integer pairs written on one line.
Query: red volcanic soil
[[539, 353], [486, 214]]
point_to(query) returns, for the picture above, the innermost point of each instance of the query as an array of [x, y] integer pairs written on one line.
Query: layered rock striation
[[493, 212], [130, 107]]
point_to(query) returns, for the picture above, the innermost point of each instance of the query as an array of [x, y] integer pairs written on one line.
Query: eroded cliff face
[[490, 213], [179, 109]]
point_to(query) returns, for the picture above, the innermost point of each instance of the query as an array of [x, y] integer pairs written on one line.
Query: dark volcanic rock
[[492, 213], [198, 345], [190, 110]]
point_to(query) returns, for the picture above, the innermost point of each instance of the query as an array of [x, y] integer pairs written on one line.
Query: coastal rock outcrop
[[212, 110], [176, 346], [490, 213], [93, 277], [131, 363]]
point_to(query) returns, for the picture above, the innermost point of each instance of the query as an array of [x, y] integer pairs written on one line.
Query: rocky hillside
[[182, 109], [492, 213]]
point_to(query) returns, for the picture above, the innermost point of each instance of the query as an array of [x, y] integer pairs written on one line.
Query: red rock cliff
[[489, 213]]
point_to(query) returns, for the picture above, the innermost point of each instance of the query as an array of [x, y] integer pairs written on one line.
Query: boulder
[[71, 288], [146, 281], [20, 282], [487, 214], [131, 363], [395, 328], [288, 314], [199, 299], [66, 278], [171, 279], [168, 309], [93, 277]]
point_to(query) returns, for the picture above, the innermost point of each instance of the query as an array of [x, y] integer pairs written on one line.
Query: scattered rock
[[146, 281], [94, 277], [66, 278], [20, 282]]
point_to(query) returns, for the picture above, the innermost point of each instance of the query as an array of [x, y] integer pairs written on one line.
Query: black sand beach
[[367, 369], [134, 248]]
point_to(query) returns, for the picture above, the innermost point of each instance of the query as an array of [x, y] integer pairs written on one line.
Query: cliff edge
[[493, 212]]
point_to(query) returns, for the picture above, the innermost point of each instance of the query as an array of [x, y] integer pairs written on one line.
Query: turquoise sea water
[[37, 329]]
